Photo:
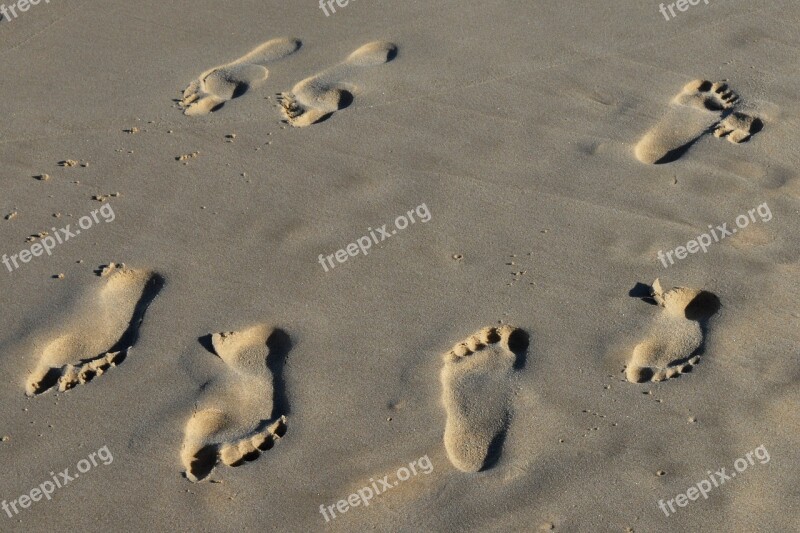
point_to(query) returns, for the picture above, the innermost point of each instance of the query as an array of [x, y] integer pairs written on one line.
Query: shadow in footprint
[[204, 462], [205, 342], [644, 292], [701, 309], [677, 153], [345, 100], [518, 343], [703, 306], [757, 126], [476, 392], [750, 126], [240, 89], [279, 344], [49, 381], [494, 451], [131, 334]]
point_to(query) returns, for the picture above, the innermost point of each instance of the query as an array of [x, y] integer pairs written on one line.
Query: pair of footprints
[[233, 422], [477, 373], [701, 108], [310, 101]]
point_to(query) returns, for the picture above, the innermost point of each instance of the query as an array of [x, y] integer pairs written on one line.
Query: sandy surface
[[204, 360]]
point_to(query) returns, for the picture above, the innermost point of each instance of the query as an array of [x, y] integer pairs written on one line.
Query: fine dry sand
[[410, 266]]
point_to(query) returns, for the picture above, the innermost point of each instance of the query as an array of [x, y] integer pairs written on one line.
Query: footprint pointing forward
[[233, 421], [100, 332], [700, 108], [220, 84], [476, 391], [316, 98]]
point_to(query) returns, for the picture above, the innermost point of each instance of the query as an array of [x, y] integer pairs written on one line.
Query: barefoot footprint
[[676, 337], [316, 98], [738, 128], [217, 85], [233, 422], [476, 386], [99, 334], [700, 108]]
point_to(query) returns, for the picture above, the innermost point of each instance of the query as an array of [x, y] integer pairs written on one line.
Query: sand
[[407, 266]]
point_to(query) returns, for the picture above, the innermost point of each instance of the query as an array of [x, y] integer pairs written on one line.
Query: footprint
[[738, 128], [676, 337], [100, 334], [476, 383], [216, 86], [700, 108], [316, 98], [233, 421]]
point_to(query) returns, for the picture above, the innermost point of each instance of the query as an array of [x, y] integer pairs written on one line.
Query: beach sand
[[407, 266]]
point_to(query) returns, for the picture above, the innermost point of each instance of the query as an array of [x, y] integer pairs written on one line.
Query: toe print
[[738, 128]]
